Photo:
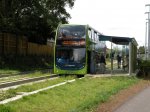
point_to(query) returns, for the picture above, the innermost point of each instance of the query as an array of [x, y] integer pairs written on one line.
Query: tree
[[141, 50], [37, 19]]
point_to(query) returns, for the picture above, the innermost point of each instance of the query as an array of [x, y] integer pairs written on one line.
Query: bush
[[143, 68]]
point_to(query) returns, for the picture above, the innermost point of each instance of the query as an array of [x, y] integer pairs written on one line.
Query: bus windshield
[[71, 58], [73, 31]]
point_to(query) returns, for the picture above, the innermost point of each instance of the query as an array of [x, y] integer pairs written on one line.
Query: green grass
[[6, 71], [29, 88], [20, 77], [81, 96]]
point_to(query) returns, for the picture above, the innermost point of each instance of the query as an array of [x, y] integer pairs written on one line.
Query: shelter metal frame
[[124, 41]]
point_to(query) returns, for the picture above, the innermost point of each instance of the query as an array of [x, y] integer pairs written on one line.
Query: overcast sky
[[112, 17]]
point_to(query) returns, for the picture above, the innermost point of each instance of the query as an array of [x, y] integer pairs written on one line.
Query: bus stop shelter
[[131, 42]]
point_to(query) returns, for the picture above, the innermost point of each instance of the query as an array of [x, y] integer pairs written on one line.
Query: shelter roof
[[118, 40]]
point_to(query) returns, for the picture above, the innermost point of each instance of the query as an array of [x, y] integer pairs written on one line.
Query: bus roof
[[83, 25]]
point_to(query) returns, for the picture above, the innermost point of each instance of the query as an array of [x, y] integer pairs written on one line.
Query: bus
[[76, 49]]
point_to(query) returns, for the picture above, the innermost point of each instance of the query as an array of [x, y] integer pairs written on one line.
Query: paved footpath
[[138, 103]]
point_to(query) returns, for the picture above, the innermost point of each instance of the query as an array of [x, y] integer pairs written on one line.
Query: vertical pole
[[130, 58], [146, 42], [148, 31], [111, 58], [149, 37]]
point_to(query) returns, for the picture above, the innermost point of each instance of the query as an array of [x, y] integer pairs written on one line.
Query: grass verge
[[81, 96], [6, 71], [25, 76], [32, 87]]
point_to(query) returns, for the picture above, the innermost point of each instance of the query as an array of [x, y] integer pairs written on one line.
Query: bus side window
[[95, 36], [90, 33], [98, 37]]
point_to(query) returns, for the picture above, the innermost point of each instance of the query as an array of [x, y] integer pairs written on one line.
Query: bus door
[[92, 63], [88, 62]]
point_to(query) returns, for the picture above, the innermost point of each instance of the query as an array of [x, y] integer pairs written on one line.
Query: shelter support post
[[130, 58], [111, 59]]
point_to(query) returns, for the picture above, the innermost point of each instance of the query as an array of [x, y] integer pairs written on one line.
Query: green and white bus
[[76, 48]]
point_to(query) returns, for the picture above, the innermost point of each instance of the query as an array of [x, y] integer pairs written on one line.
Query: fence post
[[27, 47], [16, 44], [2, 43]]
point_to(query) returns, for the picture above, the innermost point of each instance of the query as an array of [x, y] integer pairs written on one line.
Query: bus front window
[[73, 58], [66, 31]]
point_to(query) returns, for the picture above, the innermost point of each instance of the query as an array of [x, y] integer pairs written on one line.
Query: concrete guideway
[[138, 103], [34, 92], [25, 73], [5, 86]]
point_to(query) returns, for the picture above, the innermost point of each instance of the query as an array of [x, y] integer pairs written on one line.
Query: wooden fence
[[36, 49], [19, 45]]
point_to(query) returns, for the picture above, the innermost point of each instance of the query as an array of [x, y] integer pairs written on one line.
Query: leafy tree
[[141, 50], [35, 18]]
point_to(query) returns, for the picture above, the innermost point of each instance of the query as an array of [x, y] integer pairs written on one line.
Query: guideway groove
[[24, 73], [25, 81], [34, 92]]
